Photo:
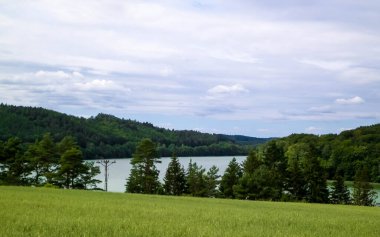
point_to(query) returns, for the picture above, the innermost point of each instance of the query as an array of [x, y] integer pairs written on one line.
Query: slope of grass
[[51, 212]]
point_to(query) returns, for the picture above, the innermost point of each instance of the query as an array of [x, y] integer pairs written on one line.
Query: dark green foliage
[[315, 178], [86, 179], [246, 187], [71, 166], [43, 157], [263, 176], [13, 168], [260, 185], [108, 136], [135, 181], [295, 181], [230, 178], [144, 174], [45, 163], [269, 174], [195, 180], [363, 194], [175, 180], [251, 163], [212, 182], [275, 164], [345, 152], [340, 193]]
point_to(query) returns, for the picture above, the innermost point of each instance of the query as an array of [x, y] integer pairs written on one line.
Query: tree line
[[105, 135], [46, 163], [268, 173], [279, 170]]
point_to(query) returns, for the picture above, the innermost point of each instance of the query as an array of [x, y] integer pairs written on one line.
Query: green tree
[[67, 143], [43, 157], [230, 178], [363, 194], [174, 180], [295, 181], [135, 181], [195, 180], [71, 167], [246, 187], [340, 193], [144, 174], [86, 179], [212, 182], [315, 177], [251, 163], [13, 167], [265, 184]]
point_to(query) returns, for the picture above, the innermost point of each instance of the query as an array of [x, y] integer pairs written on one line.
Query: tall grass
[[52, 212]]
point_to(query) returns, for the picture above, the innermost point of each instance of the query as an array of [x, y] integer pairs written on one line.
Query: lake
[[119, 172]]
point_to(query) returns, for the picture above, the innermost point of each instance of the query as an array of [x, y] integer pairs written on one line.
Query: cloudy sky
[[258, 68]]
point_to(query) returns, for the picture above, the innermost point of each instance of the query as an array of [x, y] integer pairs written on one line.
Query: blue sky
[[257, 68]]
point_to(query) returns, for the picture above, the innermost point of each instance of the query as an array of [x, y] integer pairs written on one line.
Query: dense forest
[[342, 154], [269, 173], [108, 136]]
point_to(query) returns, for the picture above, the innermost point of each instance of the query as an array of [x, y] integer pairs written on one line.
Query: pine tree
[[13, 166], [295, 180], [86, 180], [44, 158], [246, 187], [135, 181], [71, 167], [195, 180], [212, 182], [230, 178], [144, 174], [314, 176], [316, 182], [363, 194], [174, 180], [340, 193]]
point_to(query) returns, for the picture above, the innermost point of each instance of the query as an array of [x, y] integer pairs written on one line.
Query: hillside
[[343, 153], [108, 136]]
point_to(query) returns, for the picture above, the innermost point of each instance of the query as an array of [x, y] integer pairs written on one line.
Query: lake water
[[119, 172]]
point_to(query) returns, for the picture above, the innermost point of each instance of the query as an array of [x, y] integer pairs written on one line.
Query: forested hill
[[109, 136], [341, 154]]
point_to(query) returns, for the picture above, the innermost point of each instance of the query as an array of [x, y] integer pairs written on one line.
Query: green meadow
[[26, 211]]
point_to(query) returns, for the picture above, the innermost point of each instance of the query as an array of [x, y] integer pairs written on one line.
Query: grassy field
[[53, 212]]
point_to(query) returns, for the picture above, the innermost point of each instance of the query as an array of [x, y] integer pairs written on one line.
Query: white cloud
[[328, 65], [313, 129], [99, 85], [55, 74], [350, 101], [224, 89]]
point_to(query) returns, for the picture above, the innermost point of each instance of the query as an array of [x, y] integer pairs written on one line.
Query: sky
[[258, 68]]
